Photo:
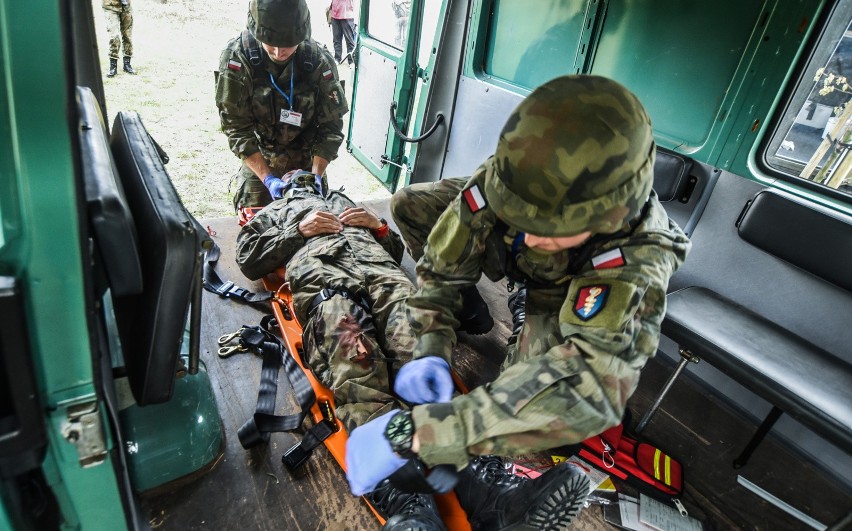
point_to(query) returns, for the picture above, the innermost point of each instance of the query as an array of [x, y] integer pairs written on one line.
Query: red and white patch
[[234, 65], [327, 75], [474, 199], [609, 259]]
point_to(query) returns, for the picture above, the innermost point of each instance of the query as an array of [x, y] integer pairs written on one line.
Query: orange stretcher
[[291, 331]]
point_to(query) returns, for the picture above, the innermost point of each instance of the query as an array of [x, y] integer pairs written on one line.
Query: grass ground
[[176, 49]]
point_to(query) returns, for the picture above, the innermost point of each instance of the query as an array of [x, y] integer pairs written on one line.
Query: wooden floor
[[250, 489]]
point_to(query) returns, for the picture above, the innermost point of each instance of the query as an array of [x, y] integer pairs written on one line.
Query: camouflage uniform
[[119, 24], [593, 312], [250, 109], [352, 260]]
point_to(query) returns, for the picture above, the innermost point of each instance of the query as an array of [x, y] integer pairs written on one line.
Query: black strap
[[214, 284], [412, 477], [275, 353], [299, 453], [327, 293]]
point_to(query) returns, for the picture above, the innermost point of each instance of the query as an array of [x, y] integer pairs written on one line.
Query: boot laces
[[493, 472], [392, 501]]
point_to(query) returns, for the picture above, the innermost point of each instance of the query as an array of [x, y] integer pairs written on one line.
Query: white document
[[656, 515]]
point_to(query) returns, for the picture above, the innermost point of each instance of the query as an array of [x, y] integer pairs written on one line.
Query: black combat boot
[[403, 511], [127, 67], [518, 309], [113, 67], [495, 499], [475, 317]]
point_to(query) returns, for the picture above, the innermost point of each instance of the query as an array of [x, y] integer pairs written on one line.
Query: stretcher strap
[[257, 429], [214, 284], [413, 477]]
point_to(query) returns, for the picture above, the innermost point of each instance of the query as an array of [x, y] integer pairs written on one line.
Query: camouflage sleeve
[[233, 98], [573, 390], [392, 243], [331, 106], [269, 240], [452, 260]]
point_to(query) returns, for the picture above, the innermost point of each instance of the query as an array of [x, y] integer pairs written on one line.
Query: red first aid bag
[[640, 464]]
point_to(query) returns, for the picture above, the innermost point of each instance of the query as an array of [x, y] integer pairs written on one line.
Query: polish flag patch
[[234, 65], [609, 259], [474, 199], [327, 75]]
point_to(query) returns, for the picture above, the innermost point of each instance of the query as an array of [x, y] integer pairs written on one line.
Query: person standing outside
[[280, 101], [119, 24], [342, 17]]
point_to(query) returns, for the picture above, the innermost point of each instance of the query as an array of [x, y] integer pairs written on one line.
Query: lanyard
[[286, 97]]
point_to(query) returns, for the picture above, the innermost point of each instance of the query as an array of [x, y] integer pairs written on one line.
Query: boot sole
[[556, 509]]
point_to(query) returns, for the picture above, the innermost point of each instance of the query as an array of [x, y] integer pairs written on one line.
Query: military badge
[[327, 75], [234, 65], [474, 199], [334, 96], [609, 259], [590, 301]]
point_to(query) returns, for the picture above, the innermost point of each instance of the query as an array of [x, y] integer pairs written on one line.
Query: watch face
[[400, 429]]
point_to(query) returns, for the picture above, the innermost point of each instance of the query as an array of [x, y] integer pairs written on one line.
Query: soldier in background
[[119, 24], [280, 102], [564, 210], [342, 263]]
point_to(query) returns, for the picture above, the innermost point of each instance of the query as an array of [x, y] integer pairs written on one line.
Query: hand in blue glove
[[369, 458], [274, 185], [425, 380]]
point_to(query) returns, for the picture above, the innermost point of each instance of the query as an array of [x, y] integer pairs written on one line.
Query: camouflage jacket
[[593, 318], [251, 109], [272, 239]]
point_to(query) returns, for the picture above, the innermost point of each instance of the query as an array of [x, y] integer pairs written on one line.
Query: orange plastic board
[[291, 331]]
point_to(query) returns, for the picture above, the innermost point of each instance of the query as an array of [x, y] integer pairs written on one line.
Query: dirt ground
[[176, 47]]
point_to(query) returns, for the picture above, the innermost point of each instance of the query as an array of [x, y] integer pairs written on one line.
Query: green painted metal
[[405, 60], [42, 209], [531, 46], [168, 441], [427, 56]]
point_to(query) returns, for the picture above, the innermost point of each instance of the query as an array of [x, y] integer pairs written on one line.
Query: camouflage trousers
[[119, 25], [351, 348], [250, 190], [416, 209]]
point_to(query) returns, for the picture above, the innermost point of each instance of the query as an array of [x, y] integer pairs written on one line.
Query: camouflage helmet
[[280, 23], [576, 155]]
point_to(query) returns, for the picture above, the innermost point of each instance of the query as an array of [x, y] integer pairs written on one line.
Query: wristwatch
[[400, 432]]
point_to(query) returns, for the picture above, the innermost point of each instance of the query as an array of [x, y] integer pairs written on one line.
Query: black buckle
[[298, 454]]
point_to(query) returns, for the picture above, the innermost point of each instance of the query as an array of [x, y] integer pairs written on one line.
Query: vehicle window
[[387, 21], [814, 137], [531, 46]]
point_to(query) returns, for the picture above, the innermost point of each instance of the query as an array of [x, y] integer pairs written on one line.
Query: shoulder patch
[[605, 303], [235, 65], [474, 198], [328, 74], [590, 301], [609, 259]]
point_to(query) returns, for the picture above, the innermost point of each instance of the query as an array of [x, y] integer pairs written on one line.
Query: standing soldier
[[280, 102], [565, 210], [119, 24]]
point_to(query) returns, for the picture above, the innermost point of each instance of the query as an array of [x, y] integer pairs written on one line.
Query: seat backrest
[[109, 216], [151, 323]]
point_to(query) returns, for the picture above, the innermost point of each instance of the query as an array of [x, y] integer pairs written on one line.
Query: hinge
[[84, 429]]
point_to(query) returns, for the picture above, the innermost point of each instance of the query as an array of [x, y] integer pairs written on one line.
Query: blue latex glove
[[425, 380], [369, 458], [274, 185]]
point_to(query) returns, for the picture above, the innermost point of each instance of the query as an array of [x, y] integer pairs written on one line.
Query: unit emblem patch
[[590, 301]]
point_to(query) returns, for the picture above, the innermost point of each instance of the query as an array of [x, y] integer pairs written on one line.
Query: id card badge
[[291, 117]]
